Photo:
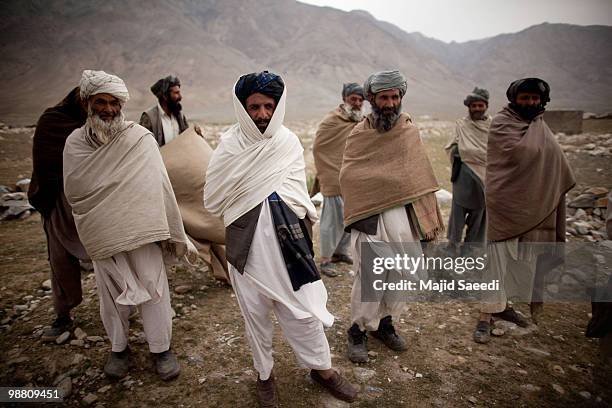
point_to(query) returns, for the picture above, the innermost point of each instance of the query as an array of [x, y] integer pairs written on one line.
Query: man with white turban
[[127, 218], [256, 181], [388, 187], [327, 150], [467, 150]]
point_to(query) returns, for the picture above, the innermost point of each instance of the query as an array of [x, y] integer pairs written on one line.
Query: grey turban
[[352, 88], [98, 82], [478, 94], [384, 81], [161, 87]]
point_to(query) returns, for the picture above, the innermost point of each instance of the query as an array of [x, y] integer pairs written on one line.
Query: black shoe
[[357, 345], [329, 269], [59, 326], [510, 315], [166, 365], [386, 333], [482, 334], [117, 364], [266, 392], [336, 258]]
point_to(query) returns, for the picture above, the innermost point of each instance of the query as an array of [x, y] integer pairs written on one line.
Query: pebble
[[372, 354], [530, 388], [472, 400], [95, 339], [90, 399], [363, 375], [182, 289], [104, 389], [79, 334], [62, 338], [20, 308], [77, 343], [65, 387], [558, 388], [498, 332], [541, 353], [46, 284], [77, 359], [585, 394], [558, 369]]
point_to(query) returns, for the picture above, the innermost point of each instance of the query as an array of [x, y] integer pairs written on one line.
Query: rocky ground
[[552, 364]]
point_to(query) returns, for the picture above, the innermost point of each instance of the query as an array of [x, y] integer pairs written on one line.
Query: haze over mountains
[[45, 45]]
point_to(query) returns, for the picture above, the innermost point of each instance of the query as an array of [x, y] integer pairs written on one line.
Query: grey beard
[[105, 131], [384, 121], [353, 114]]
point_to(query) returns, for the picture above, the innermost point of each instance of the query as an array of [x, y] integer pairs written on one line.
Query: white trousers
[[135, 278]]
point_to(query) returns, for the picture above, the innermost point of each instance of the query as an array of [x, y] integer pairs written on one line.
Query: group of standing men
[[105, 194]]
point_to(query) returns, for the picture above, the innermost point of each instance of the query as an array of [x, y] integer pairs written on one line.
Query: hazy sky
[[463, 20]]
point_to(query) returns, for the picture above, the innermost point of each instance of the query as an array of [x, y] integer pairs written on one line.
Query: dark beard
[[478, 115], [527, 112], [175, 108], [385, 119]]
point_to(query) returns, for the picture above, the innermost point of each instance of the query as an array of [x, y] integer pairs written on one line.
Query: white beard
[[354, 114], [105, 131]]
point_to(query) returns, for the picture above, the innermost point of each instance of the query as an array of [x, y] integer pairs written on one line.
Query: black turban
[[529, 85], [266, 83], [161, 87], [478, 94], [352, 88]]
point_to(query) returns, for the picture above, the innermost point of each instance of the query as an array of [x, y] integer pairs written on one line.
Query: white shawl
[[248, 166]]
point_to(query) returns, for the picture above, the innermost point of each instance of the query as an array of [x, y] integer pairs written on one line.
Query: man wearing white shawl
[[256, 181], [127, 218], [467, 150]]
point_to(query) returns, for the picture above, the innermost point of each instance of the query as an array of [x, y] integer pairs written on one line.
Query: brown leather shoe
[[337, 385], [266, 393]]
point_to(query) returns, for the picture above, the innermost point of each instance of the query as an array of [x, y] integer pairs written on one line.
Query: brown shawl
[[186, 159], [385, 170], [527, 174], [328, 148], [52, 130]]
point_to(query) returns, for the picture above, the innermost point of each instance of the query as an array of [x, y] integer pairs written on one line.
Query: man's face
[[525, 99], [388, 101], [354, 101], [260, 108], [174, 94], [106, 106], [477, 110]]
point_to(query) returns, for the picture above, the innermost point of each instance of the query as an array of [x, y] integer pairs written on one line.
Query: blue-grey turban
[[266, 83], [352, 88], [384, 81], [478, 94]]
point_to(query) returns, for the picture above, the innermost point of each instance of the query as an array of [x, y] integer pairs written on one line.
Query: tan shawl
[[186, 158], [328, 148], [121, 196], [471, 138], [527, 173], [385, 170]]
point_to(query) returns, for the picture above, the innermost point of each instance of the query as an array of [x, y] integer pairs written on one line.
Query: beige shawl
[[328, 148], [186, 158], [385, 170], [471, 138], [121, 196], [527, 174]]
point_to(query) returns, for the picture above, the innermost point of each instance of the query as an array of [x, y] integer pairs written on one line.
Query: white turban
[[384, 81], [97, 82]]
